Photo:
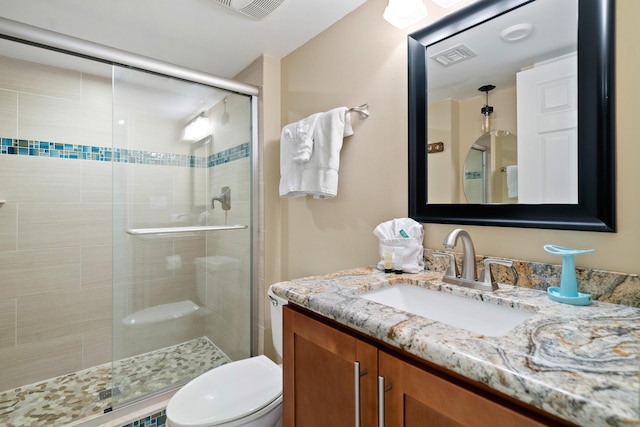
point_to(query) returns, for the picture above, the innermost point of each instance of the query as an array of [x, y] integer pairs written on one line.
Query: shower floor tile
[[74, 397]]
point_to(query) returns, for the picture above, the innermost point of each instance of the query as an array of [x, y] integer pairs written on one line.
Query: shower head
[[224, 119]]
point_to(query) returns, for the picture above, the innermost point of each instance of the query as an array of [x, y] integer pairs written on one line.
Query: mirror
[[445, 106]]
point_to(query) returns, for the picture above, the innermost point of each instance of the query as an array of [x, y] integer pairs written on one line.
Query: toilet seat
[[227, 393]]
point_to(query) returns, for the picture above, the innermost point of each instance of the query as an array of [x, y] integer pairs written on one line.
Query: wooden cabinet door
[[416, 398], [323, 368]]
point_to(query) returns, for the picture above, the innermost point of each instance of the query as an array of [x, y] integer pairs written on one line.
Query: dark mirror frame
[[596, 207]]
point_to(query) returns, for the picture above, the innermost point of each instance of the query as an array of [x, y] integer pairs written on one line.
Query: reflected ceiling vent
[[454, 55], [256, 9]]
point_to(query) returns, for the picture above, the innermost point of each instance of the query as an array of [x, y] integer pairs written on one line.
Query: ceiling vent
[[454, 55], [256, 9]]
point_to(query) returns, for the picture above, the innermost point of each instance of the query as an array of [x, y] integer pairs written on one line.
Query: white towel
[[512, 181], [296, 139], [317, 177], [391, 229]]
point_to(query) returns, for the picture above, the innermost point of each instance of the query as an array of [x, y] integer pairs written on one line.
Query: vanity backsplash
[[607, 286]]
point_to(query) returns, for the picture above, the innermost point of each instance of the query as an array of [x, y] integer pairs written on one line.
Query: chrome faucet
[[224, 198], [468, 252], [469, 278]]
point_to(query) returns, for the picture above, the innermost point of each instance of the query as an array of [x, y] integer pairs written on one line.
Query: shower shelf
[[195, 229], [161, 312]]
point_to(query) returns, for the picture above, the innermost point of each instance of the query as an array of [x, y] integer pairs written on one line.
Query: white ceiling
[[555, 31], [198, 34]]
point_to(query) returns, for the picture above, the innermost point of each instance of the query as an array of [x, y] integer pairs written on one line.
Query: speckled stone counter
[[579, 363]]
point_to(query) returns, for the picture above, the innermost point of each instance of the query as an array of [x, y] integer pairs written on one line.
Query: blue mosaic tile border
[[234, 153], [23, 147], [473, 175], [158, 419]]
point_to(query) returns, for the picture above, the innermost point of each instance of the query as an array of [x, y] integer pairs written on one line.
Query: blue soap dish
[[555, 294], [567, 293]]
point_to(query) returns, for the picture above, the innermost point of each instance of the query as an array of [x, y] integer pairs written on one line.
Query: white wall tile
[[64, 224], [7, 323], [44, 80], [46, 358], [39, 179], [25, 273], [8, 226], [61, 314], [8, 113]]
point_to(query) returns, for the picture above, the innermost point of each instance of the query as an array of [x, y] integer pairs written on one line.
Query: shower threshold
[[71, 398]]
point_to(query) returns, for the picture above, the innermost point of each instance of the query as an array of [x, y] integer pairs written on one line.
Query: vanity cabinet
[[331, 375], [327, 375], [414, 397]]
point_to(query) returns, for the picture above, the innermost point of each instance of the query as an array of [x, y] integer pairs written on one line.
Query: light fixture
[[487, 110], [402, 13], [197, 128], [516, 32]]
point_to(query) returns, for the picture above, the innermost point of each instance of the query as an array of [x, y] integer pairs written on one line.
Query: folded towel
[[296, 138], [512, 181], [318, 176], [402, 233], [392, 229]]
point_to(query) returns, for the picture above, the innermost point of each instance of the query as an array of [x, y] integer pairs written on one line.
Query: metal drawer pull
[[356, 376], [381, 391]]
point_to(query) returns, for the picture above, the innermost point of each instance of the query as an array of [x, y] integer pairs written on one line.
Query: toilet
[[246, 392], [213, 270]]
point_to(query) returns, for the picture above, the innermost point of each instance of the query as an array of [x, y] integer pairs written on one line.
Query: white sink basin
[[465, 313]]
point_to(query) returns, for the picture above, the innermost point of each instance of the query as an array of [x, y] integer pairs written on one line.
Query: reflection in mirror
[[475, 179], [552, 65], [490, 169], [511, 60]]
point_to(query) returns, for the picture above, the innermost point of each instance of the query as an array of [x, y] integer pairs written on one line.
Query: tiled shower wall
[[229, 296], [56, 250], [55, 227]]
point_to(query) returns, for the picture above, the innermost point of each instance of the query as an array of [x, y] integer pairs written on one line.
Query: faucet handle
[[452, 269], [487, 275]]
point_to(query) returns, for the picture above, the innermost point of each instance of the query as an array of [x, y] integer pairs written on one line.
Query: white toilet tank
[[276, 304], [212, 270]]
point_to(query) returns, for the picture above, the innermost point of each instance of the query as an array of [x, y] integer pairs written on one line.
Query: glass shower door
[[181, 231]]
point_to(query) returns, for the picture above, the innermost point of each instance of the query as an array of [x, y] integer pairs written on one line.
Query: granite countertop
[[580, 363]]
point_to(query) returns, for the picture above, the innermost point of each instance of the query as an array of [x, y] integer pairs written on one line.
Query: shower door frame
[[35, 36]]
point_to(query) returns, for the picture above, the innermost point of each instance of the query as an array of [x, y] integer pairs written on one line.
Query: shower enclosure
[[126, 237]]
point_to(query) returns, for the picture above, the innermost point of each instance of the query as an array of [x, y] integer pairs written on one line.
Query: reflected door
[[475, 175], [547, 133]]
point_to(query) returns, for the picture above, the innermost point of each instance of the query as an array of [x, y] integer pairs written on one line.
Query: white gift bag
[[412, 254], [405, 236]]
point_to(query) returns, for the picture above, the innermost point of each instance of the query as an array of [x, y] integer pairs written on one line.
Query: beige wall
[[363, 59]]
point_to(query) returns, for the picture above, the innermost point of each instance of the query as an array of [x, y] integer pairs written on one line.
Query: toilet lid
[[227, 393]]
